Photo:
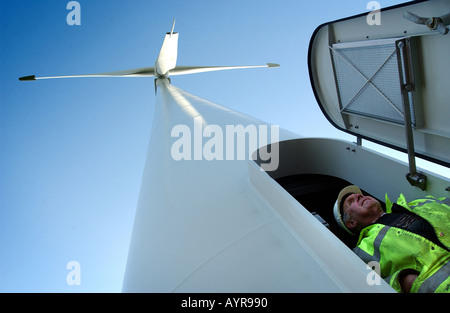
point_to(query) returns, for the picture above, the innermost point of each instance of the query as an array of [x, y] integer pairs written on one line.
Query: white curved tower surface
[[206, 226]]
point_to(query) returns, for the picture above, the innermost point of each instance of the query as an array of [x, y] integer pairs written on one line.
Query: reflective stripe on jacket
[[397, 249]]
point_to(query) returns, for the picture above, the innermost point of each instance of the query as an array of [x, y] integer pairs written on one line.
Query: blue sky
[[73, 150]]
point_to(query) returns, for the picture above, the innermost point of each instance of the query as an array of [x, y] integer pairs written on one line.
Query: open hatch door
[[387, 79]]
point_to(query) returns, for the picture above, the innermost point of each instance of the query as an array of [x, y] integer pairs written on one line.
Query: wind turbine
[[219, 213], [205, 225], [165, 65]]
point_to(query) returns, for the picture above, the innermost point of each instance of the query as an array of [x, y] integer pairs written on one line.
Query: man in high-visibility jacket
[[410, 241]]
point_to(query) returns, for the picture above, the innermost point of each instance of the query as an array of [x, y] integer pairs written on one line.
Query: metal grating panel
[[368, 80]]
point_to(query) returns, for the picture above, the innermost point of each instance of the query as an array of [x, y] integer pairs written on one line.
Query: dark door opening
[[318, 193]]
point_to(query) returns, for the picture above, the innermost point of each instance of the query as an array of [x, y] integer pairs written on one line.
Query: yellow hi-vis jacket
[[396, 249]]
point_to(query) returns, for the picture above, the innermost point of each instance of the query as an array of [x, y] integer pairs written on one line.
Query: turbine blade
[[173, 26], [167, 58], [31, 77], [137, 72], [183, 70]]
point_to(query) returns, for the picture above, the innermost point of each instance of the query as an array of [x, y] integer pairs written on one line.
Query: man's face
[[363, 210]]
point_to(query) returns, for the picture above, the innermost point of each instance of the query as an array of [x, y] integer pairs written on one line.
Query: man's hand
[[406, 279]]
